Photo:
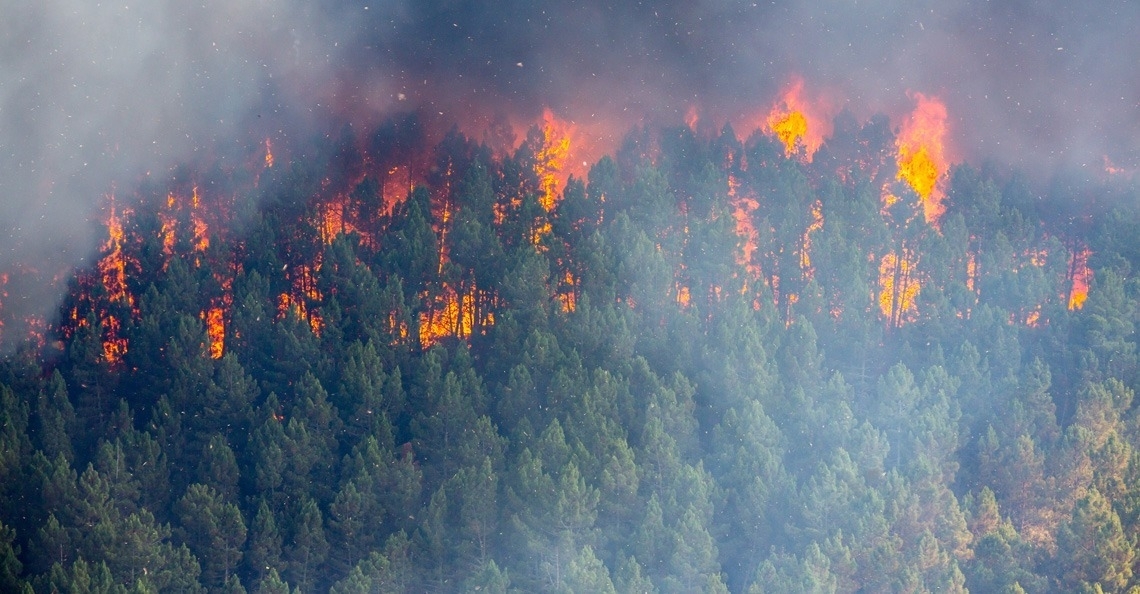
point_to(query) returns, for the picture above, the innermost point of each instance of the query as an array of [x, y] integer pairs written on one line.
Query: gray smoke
[[95, 98]]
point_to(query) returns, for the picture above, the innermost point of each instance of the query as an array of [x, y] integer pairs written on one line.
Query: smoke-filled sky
[[94, 97]]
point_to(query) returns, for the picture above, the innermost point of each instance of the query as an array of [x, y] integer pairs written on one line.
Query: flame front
[[551, 159], [1080, 277], [113, 272], [899, 287], [742, 209], [216, 331], [816, 225], [921, 155], [798, 125]]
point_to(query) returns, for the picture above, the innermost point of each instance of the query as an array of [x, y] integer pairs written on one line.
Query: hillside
[[371, 362]]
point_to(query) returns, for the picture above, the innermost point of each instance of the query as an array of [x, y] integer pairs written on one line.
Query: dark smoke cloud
[[92, 97], [1033, 84]]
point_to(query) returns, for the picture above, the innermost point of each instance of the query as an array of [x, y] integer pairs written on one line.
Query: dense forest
[[713, 364]]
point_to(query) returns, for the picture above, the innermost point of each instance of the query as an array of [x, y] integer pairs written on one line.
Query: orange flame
[[971, 271], [304, 291], [113, 266], [742, 209], [692, 117], [113, 272], [921, 155], [332, 220], [684, 298], [551, 159], [1033, 318], [268, 154], [816, 225], [215, 331], [799, 125], [201, 230], [1080, 277], [451, 315], [568, 296], [397, 185]]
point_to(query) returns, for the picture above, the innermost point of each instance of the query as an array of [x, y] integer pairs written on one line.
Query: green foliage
[[625, 401]]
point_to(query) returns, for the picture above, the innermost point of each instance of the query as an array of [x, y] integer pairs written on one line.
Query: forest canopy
[[703, 363]]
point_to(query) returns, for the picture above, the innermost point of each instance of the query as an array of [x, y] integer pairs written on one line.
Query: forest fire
[[113, 272], [303, 295], [1080, 278], [899, 287], [800, 126], [921, 154], [113, 266], [552, 158], [805, 251], [567, 293], [742, 209], [215, 331], [450, 315]]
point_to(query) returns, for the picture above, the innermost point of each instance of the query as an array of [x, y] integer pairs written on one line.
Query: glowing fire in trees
[[305, 291], [568, 293], [551, 159], [1080, 277], [797, 124], [816, 225], [742, 209], [450, 315], [898, 287], [215, 331], [921, 156], [268, 154], [113, 266], [113, 272]]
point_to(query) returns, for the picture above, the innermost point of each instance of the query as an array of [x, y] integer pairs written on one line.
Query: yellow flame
[[215, 331], [921, 160], [552, 158], [898, 287], [816, 225], [1080, 278]]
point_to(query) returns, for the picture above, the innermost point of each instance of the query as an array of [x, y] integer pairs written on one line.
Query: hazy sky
[[94, 96]]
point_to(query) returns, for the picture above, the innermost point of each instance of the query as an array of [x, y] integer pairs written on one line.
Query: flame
[[397, 185], [113, 272], [268, 154], [451, 315], [215, 331], [551, 159], [332, 220], [201, 230], [304, 291], [898, 287], [921, 155], [1034, 318], [799, 125], [1080, 277], [692, 116], [742, 209], [113, 266], [971, 271], [816, 225], [684, 298], [568, 294], [168, 217]]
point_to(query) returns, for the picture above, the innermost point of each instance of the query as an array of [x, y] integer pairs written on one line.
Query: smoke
[[1030, 84], [95, 98]]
